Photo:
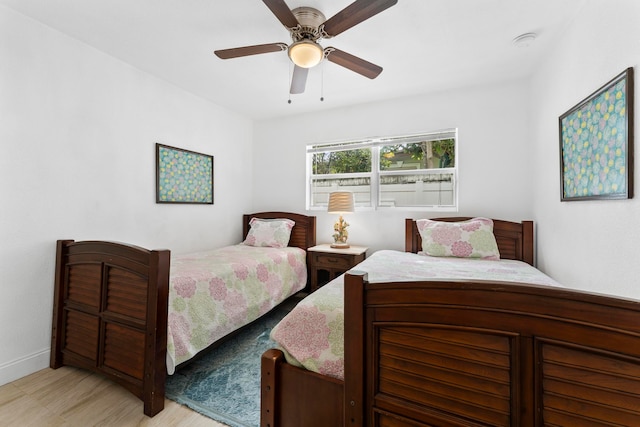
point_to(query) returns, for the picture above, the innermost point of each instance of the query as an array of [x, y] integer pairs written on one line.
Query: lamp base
[[340, 245]]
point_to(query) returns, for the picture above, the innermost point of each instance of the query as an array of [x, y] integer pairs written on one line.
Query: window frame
[[375, 144]]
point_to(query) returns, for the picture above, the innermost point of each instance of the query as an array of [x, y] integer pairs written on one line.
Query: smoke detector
[[525, 40]]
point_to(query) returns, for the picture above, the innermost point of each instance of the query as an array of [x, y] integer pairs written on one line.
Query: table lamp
[[340, 202]]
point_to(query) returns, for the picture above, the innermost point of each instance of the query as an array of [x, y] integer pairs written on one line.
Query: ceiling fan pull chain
[[322, 81], [288, 82]]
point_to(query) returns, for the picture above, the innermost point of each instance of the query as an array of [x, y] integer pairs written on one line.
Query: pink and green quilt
[[213, 293], [312, 334]]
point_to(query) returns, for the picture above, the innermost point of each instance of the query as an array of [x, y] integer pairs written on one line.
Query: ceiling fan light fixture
[[306, 53]]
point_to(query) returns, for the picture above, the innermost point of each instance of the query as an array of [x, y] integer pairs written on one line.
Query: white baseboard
[[24, 366]]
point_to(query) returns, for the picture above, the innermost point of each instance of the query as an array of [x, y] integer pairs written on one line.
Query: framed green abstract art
[[183, 176], [596, 144]]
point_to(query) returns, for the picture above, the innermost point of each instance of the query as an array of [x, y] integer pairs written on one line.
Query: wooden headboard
[[515, 239], [303, 234]]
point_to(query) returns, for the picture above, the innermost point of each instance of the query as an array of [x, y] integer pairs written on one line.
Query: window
[[417, 171]]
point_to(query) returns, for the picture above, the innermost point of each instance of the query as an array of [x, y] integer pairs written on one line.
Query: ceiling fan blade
[[282, 12], [353, 63], [237, 52], [299, 80], [355, 13]]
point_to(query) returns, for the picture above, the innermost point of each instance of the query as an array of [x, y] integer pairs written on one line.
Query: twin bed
[[134, 315], [414, 340]]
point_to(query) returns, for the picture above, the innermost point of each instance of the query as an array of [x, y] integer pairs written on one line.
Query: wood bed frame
[[110, 309], [469, 353]]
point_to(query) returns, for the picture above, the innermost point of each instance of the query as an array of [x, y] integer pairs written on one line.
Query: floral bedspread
[[312, 335], [213, 293]]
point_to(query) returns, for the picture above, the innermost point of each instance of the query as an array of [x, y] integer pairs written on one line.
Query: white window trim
[[375, 144]]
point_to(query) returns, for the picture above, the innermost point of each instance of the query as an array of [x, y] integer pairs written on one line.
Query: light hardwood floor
[[70, 397]]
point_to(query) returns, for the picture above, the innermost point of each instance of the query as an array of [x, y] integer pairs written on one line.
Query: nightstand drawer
[[327, 263], [333, 261]]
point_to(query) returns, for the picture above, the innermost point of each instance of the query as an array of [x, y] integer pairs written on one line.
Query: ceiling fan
[[307, 27]]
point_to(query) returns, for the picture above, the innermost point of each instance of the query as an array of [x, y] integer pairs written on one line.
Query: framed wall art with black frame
[[183, 176], [596, 144]]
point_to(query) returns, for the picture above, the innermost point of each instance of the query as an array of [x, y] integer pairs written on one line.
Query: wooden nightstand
[[326, 263]]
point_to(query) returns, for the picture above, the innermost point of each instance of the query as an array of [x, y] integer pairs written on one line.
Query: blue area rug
[[224, 384]]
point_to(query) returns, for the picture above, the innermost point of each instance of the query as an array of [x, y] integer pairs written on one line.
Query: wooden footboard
[[110, 315], [488, 354]]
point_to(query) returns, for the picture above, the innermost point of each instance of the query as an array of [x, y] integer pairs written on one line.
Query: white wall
[[494, 143], [591, 245], [78, 131]]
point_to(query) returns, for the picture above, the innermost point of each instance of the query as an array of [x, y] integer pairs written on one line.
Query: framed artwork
[[596, 144], [183, 176]]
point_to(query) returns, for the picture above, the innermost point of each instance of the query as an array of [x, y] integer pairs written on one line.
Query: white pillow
[[465, 239], [273, 233]]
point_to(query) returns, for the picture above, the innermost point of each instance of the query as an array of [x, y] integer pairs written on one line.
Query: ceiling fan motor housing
[[310, 20]]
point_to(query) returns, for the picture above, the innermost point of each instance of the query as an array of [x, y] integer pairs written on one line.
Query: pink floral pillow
[[465, 239], [273, 233]]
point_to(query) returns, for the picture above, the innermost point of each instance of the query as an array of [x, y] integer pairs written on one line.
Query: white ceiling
[[423, 46]]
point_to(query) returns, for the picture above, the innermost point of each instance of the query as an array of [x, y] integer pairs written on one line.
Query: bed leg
[[269, 365], [153, 405], [55, 360], [155, 367], [354, 383]]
